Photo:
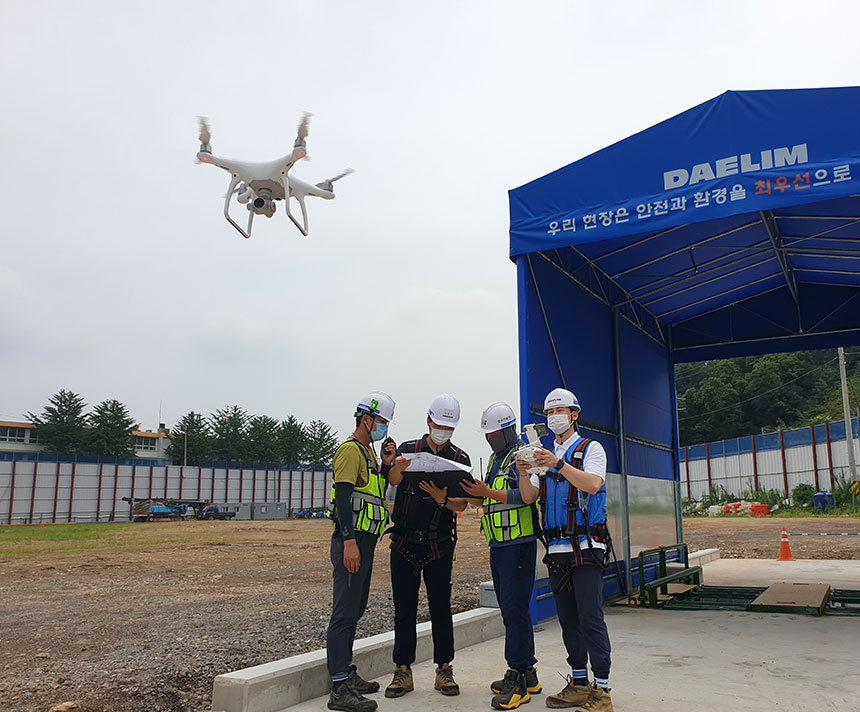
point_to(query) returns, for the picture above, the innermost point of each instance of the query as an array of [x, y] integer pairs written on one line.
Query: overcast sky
[[119, 277]]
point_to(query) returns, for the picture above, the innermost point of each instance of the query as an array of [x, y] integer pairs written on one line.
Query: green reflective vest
[[506, 522], [369, 513]]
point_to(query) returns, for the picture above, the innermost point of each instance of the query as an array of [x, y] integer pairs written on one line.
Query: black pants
[[513, 568], [580, 612], [349, 600], [405, 582]]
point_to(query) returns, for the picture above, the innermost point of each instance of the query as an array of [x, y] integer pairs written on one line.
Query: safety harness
[[596, 532]]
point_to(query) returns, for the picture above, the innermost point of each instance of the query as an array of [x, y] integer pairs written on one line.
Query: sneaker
[[445, 680], [571, 696], [532, 683], [343, 697], [598, 701], [513, 692], [359, 684], [401, 683]]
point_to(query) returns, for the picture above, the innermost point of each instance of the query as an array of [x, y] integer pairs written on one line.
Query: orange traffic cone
[[784, 548]]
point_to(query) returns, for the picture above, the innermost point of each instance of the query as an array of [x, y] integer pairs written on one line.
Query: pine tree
[[293, 440], [192, 431], [321, 443], [61, 427], [229, 434], [110, 433], [264, 445]]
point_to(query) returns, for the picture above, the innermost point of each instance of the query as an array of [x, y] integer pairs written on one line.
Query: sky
[[120, 278]]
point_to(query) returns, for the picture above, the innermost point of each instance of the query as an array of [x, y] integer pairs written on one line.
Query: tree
[[61, 427], [321, 443], [192, 431], [110, 433], [293, 440], [263, 440], [229, 434]]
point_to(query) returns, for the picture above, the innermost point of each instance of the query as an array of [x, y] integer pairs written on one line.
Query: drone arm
[[233, 183]]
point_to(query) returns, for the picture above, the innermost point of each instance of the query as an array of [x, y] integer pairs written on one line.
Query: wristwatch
[[559, 464]]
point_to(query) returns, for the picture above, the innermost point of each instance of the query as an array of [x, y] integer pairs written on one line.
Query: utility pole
[[185, 450], [846, 410]]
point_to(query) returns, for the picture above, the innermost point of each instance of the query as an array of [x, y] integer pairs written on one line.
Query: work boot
[[343, 697], [401, 683], [571, 696], [359, 684], [532, 683], [598, 701], [445, 680], [513, 692]]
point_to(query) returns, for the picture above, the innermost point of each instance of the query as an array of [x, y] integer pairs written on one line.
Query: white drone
[[259, 185]]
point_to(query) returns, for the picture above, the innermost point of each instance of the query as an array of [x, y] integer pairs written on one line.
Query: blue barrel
[[823, 501]]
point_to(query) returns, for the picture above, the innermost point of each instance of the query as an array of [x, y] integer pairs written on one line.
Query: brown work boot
[[571, 696], [598, 701], [401, 683], [445, 680]]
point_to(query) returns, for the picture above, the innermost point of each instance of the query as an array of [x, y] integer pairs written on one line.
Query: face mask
[[502, 440], [379, 431], [558, 423], [440, 436]]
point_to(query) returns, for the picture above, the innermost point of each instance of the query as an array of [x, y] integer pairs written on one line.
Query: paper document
[[426, 462]]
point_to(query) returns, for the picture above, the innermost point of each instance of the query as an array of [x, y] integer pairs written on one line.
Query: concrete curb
[[705, 556], [272, 687]]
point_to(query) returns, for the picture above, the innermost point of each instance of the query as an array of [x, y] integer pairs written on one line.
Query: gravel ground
[[147, 620]]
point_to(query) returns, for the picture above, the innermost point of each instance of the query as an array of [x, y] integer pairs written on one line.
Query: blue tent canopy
[[730, 229]]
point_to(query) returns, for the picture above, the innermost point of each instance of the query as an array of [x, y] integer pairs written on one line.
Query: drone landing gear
[[285, 181], [233, 183]]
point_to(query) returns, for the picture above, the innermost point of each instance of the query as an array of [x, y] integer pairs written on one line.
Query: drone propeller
[[205, 136], [300, 146], [302, 132], [327, 183]]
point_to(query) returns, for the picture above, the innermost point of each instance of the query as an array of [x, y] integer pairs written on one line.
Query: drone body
[[259, 185]]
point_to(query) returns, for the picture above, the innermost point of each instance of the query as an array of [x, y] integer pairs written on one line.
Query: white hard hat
[[560, 398], [376, 403], [497, 416], [445, 410]]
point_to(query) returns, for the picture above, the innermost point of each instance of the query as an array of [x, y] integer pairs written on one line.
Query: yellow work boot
[[571, 696], [445, 680], [401, 683], [513, 692], [598, 701]]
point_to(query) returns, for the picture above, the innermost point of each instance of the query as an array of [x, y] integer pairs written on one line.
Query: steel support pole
[[676, 437], [622, 455], [846, 411]]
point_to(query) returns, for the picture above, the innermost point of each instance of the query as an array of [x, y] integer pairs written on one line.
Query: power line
[[747, 400]]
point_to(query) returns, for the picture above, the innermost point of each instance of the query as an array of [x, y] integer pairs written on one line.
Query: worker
[[573, 510], [357, 508], [422, 542], [510, 523]]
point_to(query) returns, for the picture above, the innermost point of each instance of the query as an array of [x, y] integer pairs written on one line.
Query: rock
[[42, 655], [65, 707]]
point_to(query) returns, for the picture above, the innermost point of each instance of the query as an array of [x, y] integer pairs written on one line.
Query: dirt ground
[[145, 620]]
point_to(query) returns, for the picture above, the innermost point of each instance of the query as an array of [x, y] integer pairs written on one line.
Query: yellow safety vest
[[506, 522], [369, 513]]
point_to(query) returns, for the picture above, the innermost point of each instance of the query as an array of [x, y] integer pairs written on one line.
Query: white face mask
[[440, 436], [558, 423]]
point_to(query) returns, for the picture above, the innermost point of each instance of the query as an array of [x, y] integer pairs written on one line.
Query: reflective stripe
[[501, 521]]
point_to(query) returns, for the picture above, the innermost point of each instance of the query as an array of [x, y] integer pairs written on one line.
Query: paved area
[[677, 662], [842, 573]]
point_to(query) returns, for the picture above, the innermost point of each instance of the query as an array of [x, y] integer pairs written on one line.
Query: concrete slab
[[764, 572], [675, 662]]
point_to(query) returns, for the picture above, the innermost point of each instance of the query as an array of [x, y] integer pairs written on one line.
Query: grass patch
[[31, 540]]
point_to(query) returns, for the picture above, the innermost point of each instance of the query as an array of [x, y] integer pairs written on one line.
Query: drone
[[259, 185]]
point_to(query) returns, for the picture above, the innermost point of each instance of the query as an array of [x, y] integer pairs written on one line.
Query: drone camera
[[262, 206]]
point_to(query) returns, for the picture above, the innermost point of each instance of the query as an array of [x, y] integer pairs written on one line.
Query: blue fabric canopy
[[734, 225], [730, 229]]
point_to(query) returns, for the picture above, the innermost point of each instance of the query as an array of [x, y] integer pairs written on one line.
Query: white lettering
[[727, 166], [769, 158], [675, 179], [747, 166], [701, 171], [790, 156]]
